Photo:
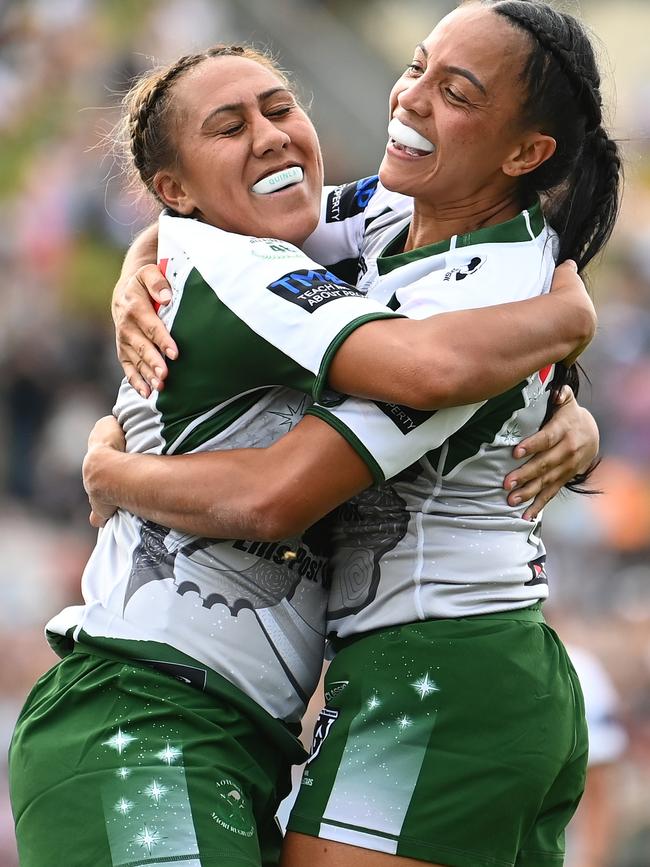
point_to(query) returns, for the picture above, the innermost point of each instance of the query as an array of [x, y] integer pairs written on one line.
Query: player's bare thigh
[[301, 850]]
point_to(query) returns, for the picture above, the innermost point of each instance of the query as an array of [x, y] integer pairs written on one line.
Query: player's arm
[[465, 356], [278, 491], [267, 494], [449, 359]]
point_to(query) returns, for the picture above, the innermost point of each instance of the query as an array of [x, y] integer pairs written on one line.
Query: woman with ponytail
[[581, 181], [454, 729]]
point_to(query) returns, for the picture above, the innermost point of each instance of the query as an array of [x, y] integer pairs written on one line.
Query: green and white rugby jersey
[[257, 323], [438, 539]]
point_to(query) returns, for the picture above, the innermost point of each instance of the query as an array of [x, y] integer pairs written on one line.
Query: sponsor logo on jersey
[[311, 289], [334, 689], [326, 719], [189, 674], [232, 811], [270, 248], [350, 199], [303, 563], [538, 565], [467, 270], [404, 418], [538, 572]]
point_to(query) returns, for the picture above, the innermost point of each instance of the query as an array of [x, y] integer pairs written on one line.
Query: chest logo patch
[[311, 289], [466, 270], [269, 248]]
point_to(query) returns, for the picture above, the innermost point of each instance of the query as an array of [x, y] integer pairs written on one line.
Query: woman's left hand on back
[[143, 343], [566, 445]]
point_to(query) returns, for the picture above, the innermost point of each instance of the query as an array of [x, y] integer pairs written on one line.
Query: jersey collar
[[526, 226]]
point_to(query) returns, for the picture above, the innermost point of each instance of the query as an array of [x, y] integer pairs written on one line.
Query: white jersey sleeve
[[390, 436], [451, 275], [276, 292]]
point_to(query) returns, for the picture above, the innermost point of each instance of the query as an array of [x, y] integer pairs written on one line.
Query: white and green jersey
[[438, 539], [257, 323]]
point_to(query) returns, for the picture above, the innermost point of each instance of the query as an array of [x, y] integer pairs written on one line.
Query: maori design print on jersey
[[367, 528], [263, 584]]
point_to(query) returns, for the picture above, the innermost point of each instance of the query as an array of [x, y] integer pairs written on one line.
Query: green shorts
[[458, 742], [115, 764]]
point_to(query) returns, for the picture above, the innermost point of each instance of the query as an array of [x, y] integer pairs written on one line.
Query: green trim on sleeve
[[222, 370], [320, 383], [341, 428]]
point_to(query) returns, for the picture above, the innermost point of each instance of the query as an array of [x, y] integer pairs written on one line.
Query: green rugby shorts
[[459, 742], [115, 764]]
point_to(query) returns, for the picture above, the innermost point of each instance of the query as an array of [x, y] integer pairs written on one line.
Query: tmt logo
[[310, 289]]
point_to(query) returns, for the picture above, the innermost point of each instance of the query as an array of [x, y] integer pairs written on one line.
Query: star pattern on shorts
[[169, 755], [424, 687], [147, 838], [373, 702], [155, 791], [119, 741]]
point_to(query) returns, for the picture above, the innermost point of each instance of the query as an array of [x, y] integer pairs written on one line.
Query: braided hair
[[582, 179], [146, 130], [581, 183]]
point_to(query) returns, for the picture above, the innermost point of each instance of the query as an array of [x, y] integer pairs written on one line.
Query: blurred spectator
[[594, 830]]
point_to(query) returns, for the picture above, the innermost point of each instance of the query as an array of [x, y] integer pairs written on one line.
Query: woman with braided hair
[[456, 738], [563, 91], [150, 768]]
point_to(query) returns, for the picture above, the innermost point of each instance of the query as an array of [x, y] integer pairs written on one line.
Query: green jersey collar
[[526, 226]]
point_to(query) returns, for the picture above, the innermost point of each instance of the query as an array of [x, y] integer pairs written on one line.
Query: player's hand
[[568, 286], [142, 340], [565, 446], [106, 434]]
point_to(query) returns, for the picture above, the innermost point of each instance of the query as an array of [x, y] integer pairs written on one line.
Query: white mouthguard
[[278, 181], [408, 137]]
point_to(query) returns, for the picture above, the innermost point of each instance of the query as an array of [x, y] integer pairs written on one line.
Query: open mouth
[[405, 138], [279, 180]]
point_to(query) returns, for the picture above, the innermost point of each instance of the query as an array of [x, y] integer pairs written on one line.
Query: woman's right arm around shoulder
[[278, 491], [464, 356], [450, 359]]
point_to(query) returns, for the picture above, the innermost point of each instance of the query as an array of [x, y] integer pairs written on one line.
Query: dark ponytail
[[580, 184]]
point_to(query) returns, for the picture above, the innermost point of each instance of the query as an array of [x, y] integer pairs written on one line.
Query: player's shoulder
[[193, 234], [195, 240], [366, 198], [517, 261]]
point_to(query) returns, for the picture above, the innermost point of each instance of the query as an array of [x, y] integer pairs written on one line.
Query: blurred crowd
[[65, 221]]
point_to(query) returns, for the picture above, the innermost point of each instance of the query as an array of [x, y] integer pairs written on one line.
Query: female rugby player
[[439, 742], [123, 658]]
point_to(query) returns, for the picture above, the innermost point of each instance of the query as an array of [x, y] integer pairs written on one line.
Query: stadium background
[[66, 220]]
